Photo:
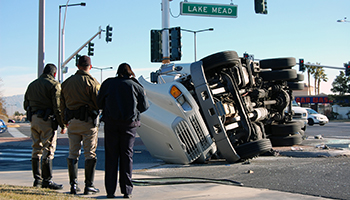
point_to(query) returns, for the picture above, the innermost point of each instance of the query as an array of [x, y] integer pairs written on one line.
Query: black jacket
[[122, 99]]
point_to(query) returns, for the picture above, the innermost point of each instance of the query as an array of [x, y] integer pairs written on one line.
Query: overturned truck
[[224, 105]]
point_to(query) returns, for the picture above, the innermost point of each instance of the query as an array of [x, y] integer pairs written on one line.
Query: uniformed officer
[[122, 99], [78, 97], [42, 103]]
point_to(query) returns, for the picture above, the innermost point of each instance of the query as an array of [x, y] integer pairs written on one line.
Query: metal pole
[[165, 35], [59, 44], [195, 46], [41, 37], [63, 38], [77, 51]]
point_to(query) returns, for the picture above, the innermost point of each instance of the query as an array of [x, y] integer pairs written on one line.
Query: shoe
[[110, 196], [127, 196], [37, 183], [90, 190], [74, 189], [52, 185]]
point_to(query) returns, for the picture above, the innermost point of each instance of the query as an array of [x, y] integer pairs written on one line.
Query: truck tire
[[277, 63], [252, 149], [219, 59], [300, 77], [278, 75], [285, 129], [295, 86], [290, 140]]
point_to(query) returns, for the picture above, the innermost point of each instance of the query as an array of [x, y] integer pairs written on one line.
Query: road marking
[[15, 133], [18, 155]]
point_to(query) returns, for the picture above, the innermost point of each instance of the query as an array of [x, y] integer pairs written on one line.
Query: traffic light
[[260, 6], [347, 69], [301, 65], [175, 43], [109, 33], [156, 46], [77, 59], [91, 49]]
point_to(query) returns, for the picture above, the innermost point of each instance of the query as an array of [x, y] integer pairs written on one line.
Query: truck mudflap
[[210, 112]]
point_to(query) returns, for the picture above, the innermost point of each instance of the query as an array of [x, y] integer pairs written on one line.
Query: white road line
[[15, 133]]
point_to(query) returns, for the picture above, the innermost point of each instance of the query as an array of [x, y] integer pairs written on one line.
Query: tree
[[341, 84], [319, 75], [310, 69]]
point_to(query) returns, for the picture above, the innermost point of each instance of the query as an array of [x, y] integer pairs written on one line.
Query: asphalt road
[[317, 176]]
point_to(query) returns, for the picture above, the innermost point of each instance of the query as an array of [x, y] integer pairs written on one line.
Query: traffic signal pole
[[330, 67], [165, 34], [77, 51]]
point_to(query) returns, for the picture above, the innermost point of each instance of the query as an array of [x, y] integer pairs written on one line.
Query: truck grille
[[197, 128], [184, 134]]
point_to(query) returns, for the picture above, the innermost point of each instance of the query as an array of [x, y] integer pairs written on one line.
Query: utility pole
[[41, 37], [165, 28]]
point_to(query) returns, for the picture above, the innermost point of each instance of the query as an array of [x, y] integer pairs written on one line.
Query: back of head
[[124, 70], [84, 62], [50, 69]]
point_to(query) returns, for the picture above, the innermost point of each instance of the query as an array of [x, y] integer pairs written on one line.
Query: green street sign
[[208, 10]]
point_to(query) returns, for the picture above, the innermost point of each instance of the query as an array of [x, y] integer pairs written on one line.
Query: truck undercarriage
[[222, 105]]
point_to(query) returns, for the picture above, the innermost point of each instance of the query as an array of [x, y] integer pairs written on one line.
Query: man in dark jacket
[[42, 102], [122, 99]]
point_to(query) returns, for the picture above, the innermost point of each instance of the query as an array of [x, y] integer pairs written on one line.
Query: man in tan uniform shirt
[[78, 101], [42, 103]]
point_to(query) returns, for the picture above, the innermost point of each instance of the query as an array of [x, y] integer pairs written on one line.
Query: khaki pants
[[81, 131], [43, 137]]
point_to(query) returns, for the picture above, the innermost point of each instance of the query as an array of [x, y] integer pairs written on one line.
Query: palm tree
[[310, 69], [319, 75], [322, 77]]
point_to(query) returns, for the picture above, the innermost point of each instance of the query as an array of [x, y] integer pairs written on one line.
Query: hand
[[63, 130]]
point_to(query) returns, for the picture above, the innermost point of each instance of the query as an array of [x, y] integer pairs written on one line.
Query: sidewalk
[[177, 191]]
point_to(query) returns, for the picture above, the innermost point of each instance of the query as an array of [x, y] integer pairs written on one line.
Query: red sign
[[311, 99]]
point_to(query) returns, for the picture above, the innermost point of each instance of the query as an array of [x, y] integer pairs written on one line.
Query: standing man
[[122, 99], [79, 93], [42, 103]]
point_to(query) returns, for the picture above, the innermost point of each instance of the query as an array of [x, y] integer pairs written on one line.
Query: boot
[[46, 169], [73, 175], [36, 172], [90, 165]]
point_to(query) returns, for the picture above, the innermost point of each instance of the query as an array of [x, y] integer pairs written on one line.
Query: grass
[[24, 193]]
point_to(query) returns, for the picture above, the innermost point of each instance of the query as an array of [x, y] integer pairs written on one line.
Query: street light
[[61, 36], [343, 20], [102, 68], [195, 44]]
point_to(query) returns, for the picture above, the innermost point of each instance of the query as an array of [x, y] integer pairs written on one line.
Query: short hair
[[124, 70], [84, 61], [50, 69]]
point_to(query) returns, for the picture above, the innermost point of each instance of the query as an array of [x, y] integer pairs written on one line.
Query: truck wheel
[[285, 129], [279, 75], [295, 86], [255, 148], [221, 58], [291, 140], [277, 63], [300, 77]]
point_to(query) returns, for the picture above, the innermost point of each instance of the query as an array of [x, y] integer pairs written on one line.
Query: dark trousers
[[119, 142]]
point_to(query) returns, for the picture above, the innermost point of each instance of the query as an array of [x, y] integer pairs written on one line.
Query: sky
[[301, 28]]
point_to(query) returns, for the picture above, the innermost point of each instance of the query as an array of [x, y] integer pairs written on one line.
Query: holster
[[54, 122], [47, 114], [29, 113]]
